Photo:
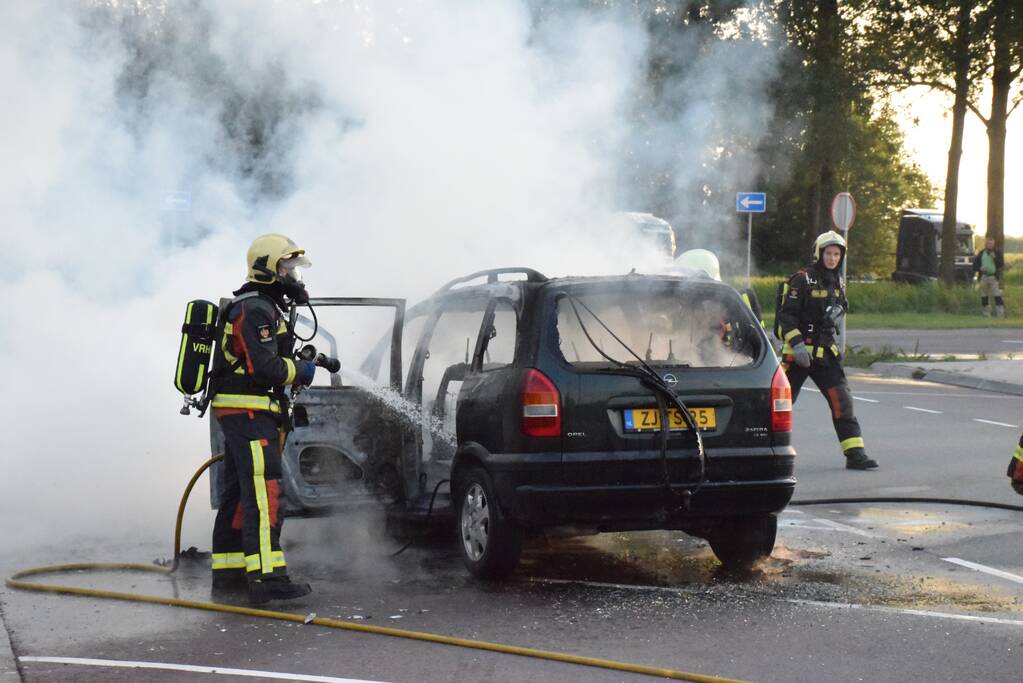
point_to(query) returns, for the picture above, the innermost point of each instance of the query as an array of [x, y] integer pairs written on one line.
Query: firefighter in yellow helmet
[[697, 261], [253, 364], [812, 306]]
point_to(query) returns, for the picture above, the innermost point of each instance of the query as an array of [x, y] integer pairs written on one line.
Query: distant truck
[[918, 254], [655, 232]]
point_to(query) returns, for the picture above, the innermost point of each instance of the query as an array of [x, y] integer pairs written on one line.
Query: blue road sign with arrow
[[751, 202]]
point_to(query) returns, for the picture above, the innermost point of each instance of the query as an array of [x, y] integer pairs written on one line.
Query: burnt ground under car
[[440, 396]]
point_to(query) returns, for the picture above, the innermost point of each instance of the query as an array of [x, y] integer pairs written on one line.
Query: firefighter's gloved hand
[[801, 355], [304, 372]]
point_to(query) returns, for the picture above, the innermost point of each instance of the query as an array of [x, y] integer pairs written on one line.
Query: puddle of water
[[917, 522], [660, 559], [929, 592]]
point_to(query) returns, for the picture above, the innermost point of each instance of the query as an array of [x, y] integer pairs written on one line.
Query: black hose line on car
[[905, 499], [652, 380], [426, 521]]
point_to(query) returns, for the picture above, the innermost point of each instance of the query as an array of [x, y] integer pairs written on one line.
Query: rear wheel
[[489, 543], [740, 542]]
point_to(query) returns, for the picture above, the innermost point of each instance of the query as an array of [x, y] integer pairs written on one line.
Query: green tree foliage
[[832, 132]]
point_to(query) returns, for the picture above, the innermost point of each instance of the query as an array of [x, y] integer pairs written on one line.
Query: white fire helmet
[[699, 260]]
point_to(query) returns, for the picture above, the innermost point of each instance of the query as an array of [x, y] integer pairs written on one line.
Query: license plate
[[649, 419]]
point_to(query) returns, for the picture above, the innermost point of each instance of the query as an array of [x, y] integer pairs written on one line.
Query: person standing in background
[[989, 264]]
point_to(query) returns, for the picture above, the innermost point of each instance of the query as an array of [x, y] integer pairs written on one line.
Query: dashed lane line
[[923, 410], [985, 569], [857, 398], [167, 666], [997, 424], [906, 610]]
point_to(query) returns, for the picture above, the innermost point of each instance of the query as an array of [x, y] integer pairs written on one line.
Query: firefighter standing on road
[[812, 305], [250, 371]]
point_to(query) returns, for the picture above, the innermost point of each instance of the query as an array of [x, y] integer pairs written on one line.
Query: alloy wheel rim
[[475, 522]]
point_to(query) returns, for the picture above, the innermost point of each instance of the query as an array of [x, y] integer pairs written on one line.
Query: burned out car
[[509, 403]]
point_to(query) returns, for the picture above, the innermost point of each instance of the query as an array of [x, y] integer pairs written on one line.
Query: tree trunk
[[1001, 81], [830, 93], [955, 148]]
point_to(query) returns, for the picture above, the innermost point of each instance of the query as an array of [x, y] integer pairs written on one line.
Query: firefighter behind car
[[250, 370], [811, 309]]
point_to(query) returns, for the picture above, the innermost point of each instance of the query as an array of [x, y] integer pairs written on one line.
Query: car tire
[[739, 543], [489, 543]]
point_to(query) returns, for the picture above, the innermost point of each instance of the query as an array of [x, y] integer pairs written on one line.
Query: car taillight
[[781, 402], [541, 405]]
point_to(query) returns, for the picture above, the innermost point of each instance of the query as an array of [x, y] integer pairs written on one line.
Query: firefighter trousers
[[828, 375], [247, 530]]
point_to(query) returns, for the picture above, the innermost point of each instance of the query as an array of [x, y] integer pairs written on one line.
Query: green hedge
[[890, 297]]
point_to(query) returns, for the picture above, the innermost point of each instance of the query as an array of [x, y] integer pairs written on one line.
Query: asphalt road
[[871, 592], [935, 342]]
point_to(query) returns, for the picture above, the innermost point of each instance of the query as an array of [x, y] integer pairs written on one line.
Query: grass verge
[[918, 321]]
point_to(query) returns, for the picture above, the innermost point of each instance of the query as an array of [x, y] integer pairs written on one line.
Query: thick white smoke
[[410, 142]]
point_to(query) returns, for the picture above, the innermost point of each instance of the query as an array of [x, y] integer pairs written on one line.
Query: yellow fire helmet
[[266, 252], [700, 259], [826, 239]]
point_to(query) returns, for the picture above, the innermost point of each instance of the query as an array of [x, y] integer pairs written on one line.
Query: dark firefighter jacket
[[254, 363], [803, 313]]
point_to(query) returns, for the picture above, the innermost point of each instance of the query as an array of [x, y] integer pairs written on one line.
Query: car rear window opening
[[667, 324]]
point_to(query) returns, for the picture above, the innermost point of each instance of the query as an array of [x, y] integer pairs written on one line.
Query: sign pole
[[749, 247], [845, 269], [843, 215]]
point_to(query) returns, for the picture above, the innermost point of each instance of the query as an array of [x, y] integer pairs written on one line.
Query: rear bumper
[[737, 484], [610, 508]]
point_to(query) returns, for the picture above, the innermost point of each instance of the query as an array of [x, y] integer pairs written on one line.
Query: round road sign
[[843, 211]]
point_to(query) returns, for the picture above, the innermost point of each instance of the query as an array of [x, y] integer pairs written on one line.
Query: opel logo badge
[[670, 379]]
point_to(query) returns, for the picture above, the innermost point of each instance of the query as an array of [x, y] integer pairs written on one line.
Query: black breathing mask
[[294, 289]]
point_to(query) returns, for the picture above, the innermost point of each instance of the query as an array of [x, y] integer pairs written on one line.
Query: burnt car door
[[438, 371], [352, 442]]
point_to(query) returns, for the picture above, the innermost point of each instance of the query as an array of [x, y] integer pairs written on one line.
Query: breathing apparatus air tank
[[198, 334]]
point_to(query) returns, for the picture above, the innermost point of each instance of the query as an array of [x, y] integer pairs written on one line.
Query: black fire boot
[[275, 588], [229, 582], [856, 459]]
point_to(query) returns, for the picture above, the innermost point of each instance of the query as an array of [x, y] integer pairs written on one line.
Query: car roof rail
[[492, 275]]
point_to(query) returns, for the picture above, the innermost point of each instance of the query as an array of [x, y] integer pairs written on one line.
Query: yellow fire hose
[[15, 581]]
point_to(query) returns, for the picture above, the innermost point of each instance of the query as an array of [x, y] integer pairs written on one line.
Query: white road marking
[[923, 410], [617, 586], [252, 673], [905, 610], [858, 398], [838, 526], [1012, 341], [983, 568], [997, 424], [800, 524]]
